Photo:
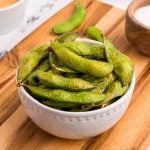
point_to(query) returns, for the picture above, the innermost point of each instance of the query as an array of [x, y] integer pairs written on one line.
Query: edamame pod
[[103, 83], [44, 66], [87, 50], [29, 62], [67, 37], [59, 104], [57, 65], [94, 33], [57, 81], [83, 97], [78, 63], [122, 65], [73, 22], [42, 50], [27, 65], [115, 89]]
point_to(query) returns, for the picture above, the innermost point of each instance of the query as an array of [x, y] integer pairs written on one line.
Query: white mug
[[12, 17]]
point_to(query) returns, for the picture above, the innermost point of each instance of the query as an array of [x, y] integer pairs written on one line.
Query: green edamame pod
[[122, 65], [67, 37], [78, 63], [73, 22], [42, 50], [57, 65], [44, 66], [27, 64], [83, 97], [57, 81], [87, 50], [59, 104], [115, 89], [103, 83], [94, 33]]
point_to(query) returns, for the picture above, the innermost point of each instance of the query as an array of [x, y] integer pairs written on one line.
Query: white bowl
[[76, 125], [12, 17]]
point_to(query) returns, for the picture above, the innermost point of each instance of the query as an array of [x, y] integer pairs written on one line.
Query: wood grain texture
[[18, 132]]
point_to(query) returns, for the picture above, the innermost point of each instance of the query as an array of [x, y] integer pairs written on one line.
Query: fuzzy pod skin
[[30, 61], [58, 95], [44, 66], [58, 66], [42, 50], [73, 22], [123, 66], [27, 65], [87, 50], [115, 89], [78, 63], [103, 83], [94, 33], [57, 81], [67, 37]]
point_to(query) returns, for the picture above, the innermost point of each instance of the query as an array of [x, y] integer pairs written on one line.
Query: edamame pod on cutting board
[[83, 97], [73, 22], [78, 63], [53, 80]]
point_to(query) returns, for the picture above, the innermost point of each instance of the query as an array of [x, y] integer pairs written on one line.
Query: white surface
[[76, 125], [38, 12], [12, 17], [143, 15], [123, 4]]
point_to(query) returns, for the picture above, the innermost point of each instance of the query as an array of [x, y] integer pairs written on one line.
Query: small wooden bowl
[[138, 34]]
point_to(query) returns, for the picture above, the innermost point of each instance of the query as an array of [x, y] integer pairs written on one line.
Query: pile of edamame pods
[[75, 76]]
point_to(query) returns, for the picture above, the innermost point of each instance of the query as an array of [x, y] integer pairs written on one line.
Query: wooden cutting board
[[18, 132]]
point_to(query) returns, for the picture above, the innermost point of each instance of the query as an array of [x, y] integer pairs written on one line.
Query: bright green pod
[[88, 66], [57, 65], [103, 83], [94, 33], [57, 81], [76, 19], [67, 37], [30, 61], [87, 50], [42, 50], [27, 65], [44, 66], [58, 95], [123, 67], [115, 89]]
